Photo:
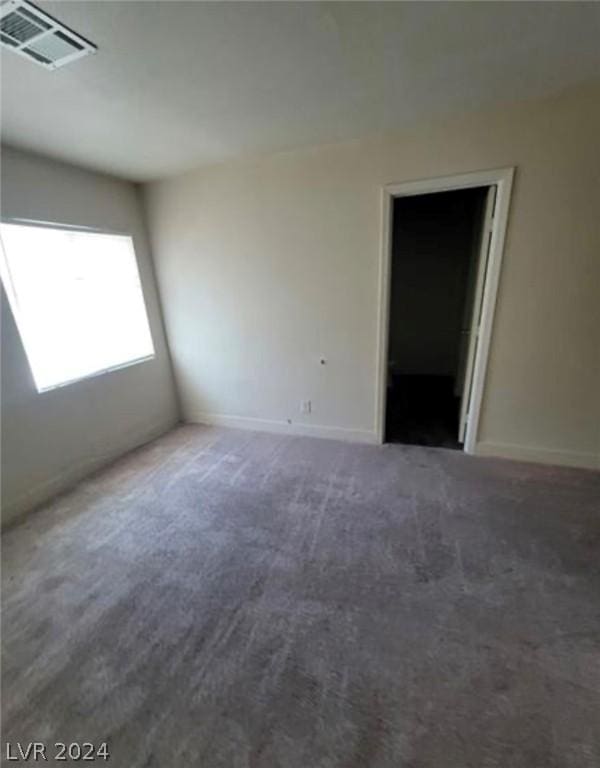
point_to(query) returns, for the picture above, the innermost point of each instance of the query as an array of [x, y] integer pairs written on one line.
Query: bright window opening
[[77, 300]]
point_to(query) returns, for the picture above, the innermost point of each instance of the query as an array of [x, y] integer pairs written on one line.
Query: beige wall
[[265, 265], [53, 438]]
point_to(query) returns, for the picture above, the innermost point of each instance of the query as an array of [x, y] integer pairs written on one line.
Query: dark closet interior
[[435, 250]]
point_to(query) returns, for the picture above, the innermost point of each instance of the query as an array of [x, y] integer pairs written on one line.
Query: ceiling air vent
[[30, 32]]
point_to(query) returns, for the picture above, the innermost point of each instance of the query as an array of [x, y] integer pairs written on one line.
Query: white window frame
[[11, 296]]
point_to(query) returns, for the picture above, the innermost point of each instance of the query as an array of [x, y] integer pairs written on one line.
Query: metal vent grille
[[30, 32], [20, 28]]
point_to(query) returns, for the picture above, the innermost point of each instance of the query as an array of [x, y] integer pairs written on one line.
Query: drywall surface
[[432, 247], [265, 266], [52, 438], [256, 77]]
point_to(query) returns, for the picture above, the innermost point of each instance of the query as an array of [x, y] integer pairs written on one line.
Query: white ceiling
[[176, 85]]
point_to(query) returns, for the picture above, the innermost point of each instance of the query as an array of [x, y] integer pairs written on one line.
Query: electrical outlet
[[305, 406]]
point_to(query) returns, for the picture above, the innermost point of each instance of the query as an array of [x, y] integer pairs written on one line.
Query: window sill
[[95, 374]]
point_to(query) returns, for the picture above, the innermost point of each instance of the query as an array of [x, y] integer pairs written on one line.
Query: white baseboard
[[538, 455], [283, 427], [14, 509]]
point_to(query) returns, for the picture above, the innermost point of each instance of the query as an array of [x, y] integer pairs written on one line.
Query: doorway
[[441, 260]]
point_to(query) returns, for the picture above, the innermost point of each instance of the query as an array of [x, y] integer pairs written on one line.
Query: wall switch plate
[[305, 406]]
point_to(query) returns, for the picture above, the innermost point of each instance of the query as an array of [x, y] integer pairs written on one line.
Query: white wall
[[264, 265], [51, 439]]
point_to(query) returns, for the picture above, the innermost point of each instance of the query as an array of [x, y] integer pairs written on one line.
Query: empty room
[[300, 384]]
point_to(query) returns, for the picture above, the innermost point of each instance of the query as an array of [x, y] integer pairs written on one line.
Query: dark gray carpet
[[223, 598]]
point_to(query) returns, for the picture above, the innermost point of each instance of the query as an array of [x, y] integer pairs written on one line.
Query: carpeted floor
[[235, 599]]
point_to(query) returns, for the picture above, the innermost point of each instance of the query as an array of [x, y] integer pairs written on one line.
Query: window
[[77, 300]]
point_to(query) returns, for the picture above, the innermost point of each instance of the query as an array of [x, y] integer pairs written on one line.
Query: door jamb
[[503, 179]]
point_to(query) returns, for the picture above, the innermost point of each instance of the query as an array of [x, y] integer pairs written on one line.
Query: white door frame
[[503, 179]]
